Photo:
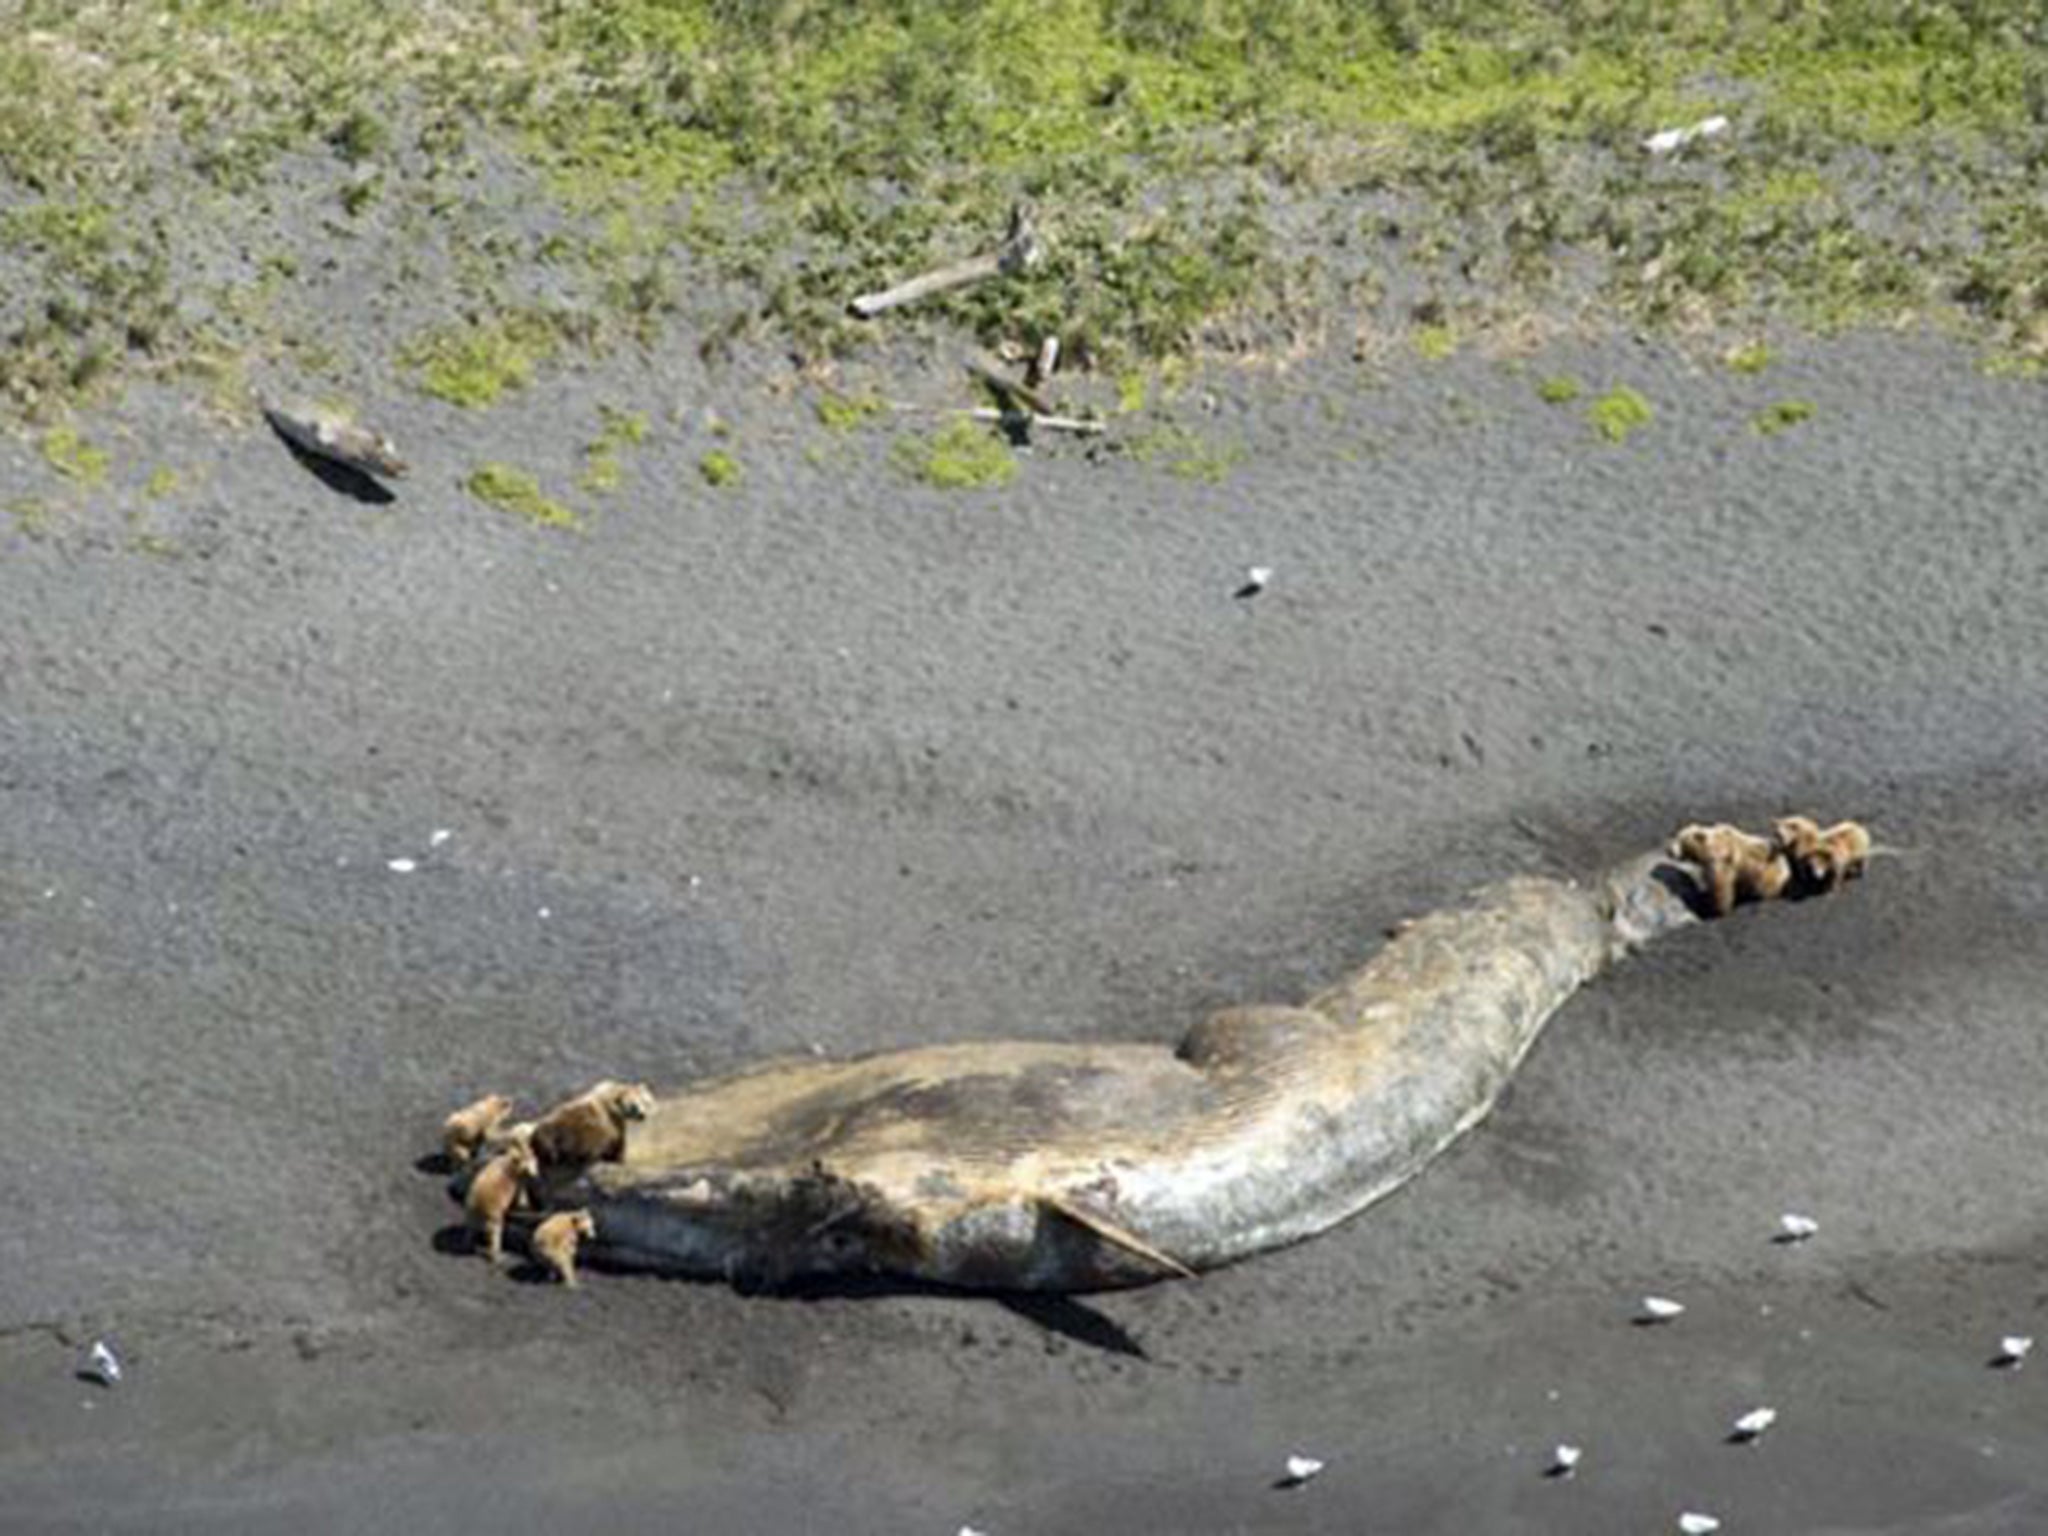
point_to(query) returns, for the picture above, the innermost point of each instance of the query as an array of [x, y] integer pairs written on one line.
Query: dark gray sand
[[827, 761]]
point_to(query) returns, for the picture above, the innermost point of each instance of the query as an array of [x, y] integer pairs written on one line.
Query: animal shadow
[[1074, 1319], [525, 1269], [1683, 884]]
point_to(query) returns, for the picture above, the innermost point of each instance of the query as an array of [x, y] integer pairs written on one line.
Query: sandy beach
[[829, 760]]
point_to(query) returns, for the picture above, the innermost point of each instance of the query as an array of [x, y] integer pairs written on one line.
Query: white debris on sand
[[1564, 1461], [1255, 581], [2013, 1350], [102, 1364], [438, 836], [1300, 1469], [1753, 1423], [1671, 140], [1794, 1228], [402, 866], [1696, 1524], [1660, 1309]]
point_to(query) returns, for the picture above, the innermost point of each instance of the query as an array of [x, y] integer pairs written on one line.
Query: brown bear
[[1824, 857], [498, 1186], [591, 1128], [471, 1126], [555, 1241], [1736, 866]]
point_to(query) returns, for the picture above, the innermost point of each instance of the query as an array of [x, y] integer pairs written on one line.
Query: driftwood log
[[1020, 251]]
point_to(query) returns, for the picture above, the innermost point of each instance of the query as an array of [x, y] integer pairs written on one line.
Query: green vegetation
[[603, 471], [959, 456], [1618, 413], [162, 481], [32, 516], [73, 457], [473, 365], [843, 413], [1750, 357], [1195, 163], [101, 286], [1434, 343], [1182, 453], [358, 195], [1784, 414], [359, 135], [515, 491], [1559, 389], [719, 468]]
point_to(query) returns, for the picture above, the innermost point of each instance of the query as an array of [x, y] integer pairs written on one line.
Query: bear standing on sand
[[591, 1128], [555, 1242], [1738, 867], [470, 1127], [499, 1185], [1824, 856]]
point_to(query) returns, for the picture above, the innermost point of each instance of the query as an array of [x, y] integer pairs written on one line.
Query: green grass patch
[[101, 290], [603, 465], [1782, 416], [2013, 365], [1186, 455], [1619, 413], [33, 518], [1434, 343], [518, 493], [357, 196], [158, 546], [602, 472], [359, 135], [73, 457], [845, 413], [801, 152], [473, 366], [962, 455], [1749, 357], [162, 481], [1559, 389], [719, 469]]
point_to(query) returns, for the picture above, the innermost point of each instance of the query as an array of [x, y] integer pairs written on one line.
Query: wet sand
[[828, 760]]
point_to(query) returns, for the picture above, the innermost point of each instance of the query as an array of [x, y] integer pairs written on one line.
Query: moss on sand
[[1782, 416], [719, 469], [518, 493], [73, 457], [959, 456], [474, 365], [1619, 414]]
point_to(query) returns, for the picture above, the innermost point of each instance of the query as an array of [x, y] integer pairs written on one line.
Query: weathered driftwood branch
[[1008, 389], [1020, 251], [1085, 425], [1051, 422], [1042, 365]]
